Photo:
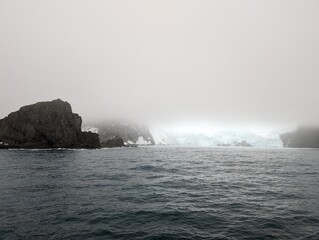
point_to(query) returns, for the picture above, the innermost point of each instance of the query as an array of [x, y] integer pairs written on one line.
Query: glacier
[[165, 137]]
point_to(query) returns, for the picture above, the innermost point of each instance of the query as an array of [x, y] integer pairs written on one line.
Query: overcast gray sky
[[221, 60]]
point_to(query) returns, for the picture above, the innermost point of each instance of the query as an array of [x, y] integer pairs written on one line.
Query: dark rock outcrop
[[131, 133], [89, 140], [303, 137], [116, 141], [45, 125]]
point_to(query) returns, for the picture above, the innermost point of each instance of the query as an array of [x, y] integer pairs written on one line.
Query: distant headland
[[303, 137]]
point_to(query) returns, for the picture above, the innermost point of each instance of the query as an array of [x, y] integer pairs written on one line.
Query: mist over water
[[158, 61]]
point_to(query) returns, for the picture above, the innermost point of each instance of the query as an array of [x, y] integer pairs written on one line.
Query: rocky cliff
[[303, 137], [45, 125]]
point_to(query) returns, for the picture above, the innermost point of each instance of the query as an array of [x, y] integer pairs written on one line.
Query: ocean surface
[[159, 193]]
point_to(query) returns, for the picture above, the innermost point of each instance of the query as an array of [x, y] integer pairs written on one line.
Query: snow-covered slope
[[159, 137], [90, 129], [131, 133]]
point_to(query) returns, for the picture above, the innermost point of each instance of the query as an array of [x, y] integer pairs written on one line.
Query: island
[[49, 124]]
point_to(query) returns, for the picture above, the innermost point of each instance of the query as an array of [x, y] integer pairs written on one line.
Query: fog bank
[[164, 61]]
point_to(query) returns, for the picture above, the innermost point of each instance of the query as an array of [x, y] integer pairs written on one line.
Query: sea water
[[160, 193]]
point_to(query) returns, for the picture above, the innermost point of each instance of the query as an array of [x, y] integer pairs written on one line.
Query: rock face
[[45, 125], [303, 137], [116, 141], [131, 133]]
